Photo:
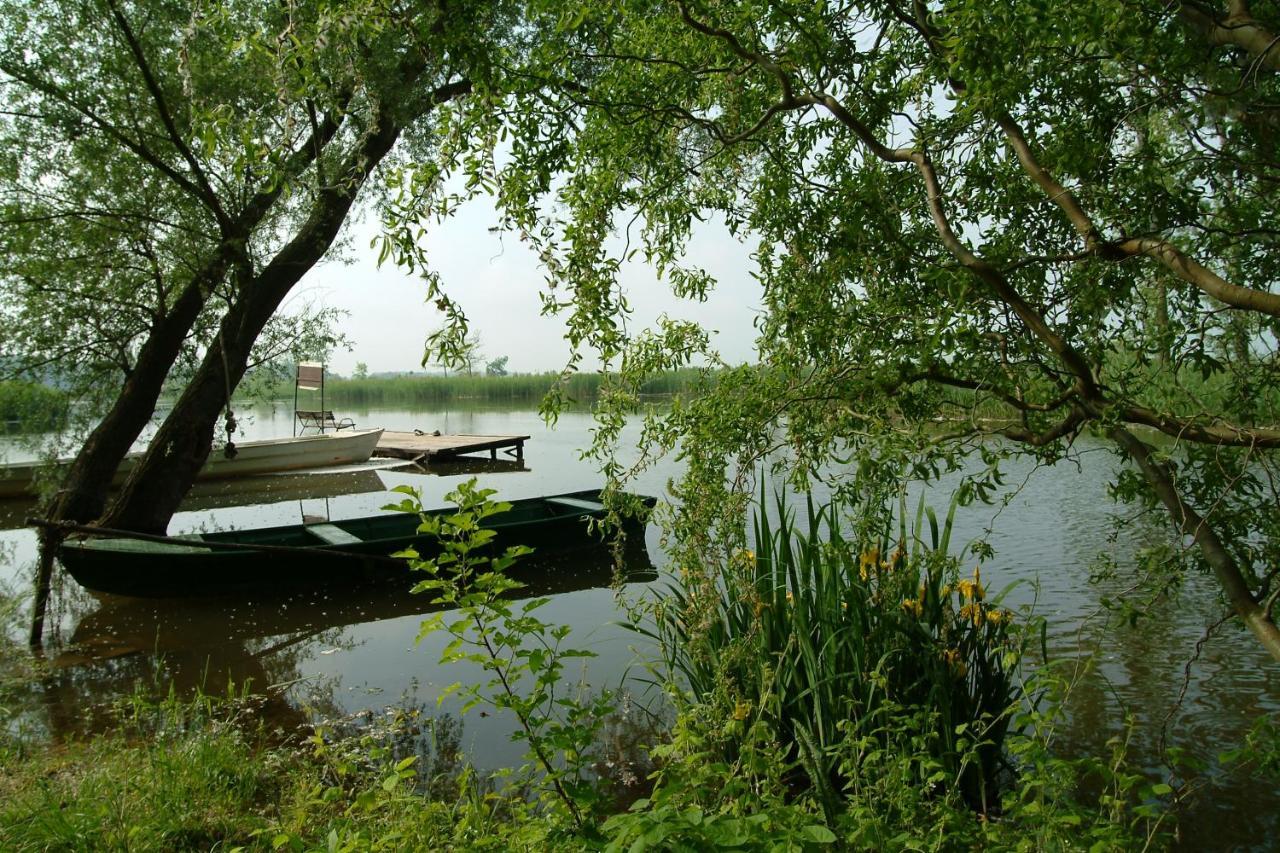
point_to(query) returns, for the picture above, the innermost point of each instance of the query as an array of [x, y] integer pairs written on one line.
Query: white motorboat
[[252, 457]]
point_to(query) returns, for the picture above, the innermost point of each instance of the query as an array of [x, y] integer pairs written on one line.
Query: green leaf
[[818, 834]]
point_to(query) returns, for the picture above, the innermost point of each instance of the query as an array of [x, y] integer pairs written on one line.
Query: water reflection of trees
[[80, 693], [400, 731], [237, 492], [621, 756], [20, 718], [1156, 651], [120, 647], [112, 651]]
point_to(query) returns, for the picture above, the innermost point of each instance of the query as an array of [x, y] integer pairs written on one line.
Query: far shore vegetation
[[30, 407], [429, 389]]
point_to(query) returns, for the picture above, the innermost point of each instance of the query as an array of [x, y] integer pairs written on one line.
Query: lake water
[[334, 655]]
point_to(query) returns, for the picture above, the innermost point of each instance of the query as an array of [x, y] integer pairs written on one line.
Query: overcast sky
[[497, 282]]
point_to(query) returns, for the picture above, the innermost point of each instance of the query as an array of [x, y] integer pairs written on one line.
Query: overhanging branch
[[1192, 524], [1202, 433], [1237, 28]]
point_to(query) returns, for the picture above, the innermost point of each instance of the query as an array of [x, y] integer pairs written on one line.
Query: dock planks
[[424, 447]]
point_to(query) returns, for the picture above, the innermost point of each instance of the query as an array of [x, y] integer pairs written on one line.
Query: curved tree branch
[[207, 194], [1220, 434], [1185, 267], [1070, 425], [1191, 524], [51, 90], [1238, 28], [1189, 270]]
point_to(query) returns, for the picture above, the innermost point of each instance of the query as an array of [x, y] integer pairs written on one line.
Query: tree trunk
[[179, 450], [175, 456], [1161, 319], [84, 491]]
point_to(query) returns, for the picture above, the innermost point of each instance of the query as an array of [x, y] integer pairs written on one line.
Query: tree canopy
[[172, 171], [979, 229], [1019, 223]]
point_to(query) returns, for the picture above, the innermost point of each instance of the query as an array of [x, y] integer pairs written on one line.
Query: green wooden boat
[[191, 628], [308, 554]]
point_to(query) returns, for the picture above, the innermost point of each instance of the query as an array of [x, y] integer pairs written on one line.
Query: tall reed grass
[[848, 647], [521, 388]]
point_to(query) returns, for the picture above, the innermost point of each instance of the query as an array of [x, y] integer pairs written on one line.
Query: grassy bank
[[203, 775]]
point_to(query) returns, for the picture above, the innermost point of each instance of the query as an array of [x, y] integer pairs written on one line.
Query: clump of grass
[[864, 688], [173, 776]]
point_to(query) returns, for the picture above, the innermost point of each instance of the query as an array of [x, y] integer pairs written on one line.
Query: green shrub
[[524, 658]]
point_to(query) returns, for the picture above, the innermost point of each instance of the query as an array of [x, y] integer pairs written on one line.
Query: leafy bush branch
[[524, 656]]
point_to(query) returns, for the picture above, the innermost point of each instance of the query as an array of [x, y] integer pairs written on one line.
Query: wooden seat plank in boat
[[332, 535], [577, 503]]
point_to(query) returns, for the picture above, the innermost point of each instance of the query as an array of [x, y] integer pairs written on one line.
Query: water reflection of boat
[[270, 488], [463, 465], [250, 458], [305, 555], [265, 647], [125, 626], [265, 488]]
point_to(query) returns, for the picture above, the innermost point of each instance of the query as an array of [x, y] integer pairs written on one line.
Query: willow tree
[[171, 170], [1020, 221]]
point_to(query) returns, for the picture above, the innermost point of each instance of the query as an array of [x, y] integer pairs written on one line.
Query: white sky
[[496, 281]]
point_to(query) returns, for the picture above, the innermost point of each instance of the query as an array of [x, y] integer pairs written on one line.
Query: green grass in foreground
[[185, 792], [201, 776]]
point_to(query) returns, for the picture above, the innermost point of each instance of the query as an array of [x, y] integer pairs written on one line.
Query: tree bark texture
[[180, 448]]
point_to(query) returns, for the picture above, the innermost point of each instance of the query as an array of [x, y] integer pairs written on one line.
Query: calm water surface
[[338, 654]]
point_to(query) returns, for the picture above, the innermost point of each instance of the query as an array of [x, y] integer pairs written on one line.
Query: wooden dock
[[423, 447]]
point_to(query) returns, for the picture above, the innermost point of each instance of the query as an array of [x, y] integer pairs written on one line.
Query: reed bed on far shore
[[523, 387]]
